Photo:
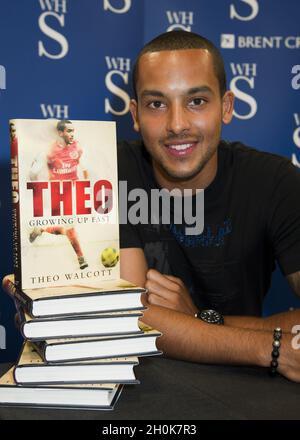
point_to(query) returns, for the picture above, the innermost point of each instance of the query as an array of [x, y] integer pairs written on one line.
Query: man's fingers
[[175, 280], [156, 300], [163, 280], [18, 321], [144, 299], [159, 290]]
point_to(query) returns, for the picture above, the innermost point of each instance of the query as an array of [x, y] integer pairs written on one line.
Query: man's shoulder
[[76, 146], [245, 152], [131, 157], [130, 149], [251, 160], [134, 165]]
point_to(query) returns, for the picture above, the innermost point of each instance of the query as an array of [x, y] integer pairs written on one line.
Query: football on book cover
[[65, 207]]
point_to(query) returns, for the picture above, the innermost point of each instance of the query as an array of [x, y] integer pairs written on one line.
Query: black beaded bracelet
[[275, 352]]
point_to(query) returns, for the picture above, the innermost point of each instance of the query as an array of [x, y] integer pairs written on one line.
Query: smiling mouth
[[182, 149]]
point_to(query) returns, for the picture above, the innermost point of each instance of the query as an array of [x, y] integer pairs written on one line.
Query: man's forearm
[[185, 337], [285, 320]]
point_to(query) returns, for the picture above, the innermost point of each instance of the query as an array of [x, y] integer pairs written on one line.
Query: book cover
[[110, 296], [65, 207]]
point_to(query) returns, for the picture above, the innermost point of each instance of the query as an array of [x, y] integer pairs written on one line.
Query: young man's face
[[179, 112], [67, 134]]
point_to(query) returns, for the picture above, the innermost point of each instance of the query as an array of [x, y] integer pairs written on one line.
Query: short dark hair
[[180, 40], [61, 125]]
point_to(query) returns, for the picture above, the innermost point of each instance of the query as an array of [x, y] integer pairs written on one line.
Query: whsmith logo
[[180, 20], [296, 138], [244, 76], [112, 5], [56, 111], [232, 41], [241, 12], [296, 78], [2, 78], [58, 10], [118, 70], [2, 338]]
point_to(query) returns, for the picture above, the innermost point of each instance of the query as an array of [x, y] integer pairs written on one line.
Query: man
[[252, 215], [63, 162]]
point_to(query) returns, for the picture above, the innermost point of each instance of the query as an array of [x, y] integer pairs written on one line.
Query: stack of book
[[80, 321], [80, 345]]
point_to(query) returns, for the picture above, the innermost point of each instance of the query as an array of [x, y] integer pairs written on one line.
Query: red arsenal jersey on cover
[[63, 161]]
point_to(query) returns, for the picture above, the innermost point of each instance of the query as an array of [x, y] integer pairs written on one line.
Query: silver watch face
[[211, 317]]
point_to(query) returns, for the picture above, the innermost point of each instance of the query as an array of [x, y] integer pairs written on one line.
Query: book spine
[[15, 370], [15, 375], [40, 347], [15, 203], [22, 323]]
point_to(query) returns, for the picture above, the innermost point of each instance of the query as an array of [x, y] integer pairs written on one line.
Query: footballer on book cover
[[65, 207]]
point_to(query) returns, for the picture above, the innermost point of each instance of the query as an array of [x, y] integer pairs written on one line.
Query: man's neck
[[201, 181]]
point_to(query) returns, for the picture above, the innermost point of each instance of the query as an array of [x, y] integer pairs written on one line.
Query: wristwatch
[[210, 316]]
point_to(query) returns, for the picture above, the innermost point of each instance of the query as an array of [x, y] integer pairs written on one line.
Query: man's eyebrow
[[152, 93], [192, 91], [199, 89]]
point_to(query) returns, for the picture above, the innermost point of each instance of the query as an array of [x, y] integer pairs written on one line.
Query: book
[[80, 349], [31, 370], [80, 326], [75, 396], [110, 296], [65, 203]]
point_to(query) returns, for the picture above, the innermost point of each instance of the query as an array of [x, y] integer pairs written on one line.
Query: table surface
[[177, 390]]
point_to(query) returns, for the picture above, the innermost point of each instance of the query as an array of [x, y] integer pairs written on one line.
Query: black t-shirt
[[251, 220]]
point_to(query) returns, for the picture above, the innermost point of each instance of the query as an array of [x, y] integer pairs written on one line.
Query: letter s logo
[[254, 7], [117, 91], [244, 96], [51, 33], [296, 137], [109, 7]]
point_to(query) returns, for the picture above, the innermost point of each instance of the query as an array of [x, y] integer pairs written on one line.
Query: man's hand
[[170, 292], [18, 321], [289, 359]]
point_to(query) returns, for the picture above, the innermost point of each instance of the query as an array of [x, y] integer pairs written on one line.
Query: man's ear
[[227, 107], [134, 114]]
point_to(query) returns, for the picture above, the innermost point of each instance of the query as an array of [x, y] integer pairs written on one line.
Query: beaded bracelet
[[275, 352]]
